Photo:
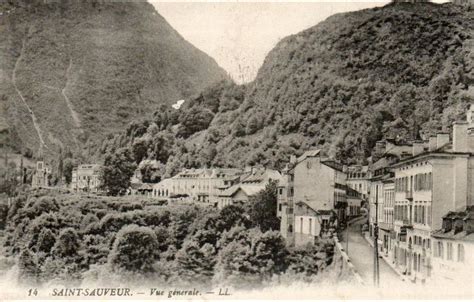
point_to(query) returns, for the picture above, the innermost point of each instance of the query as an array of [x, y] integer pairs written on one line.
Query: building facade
[[41, 175], [318, 187], [453, 250], [86, 178], [201, 185], [427, 186], [358, 178]]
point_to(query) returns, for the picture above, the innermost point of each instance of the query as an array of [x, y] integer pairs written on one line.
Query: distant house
[[142, 189], [41, 175], [201, 185], [253, 182], [86, 178]]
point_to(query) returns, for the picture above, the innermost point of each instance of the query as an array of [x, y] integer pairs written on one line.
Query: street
[[362, 256]]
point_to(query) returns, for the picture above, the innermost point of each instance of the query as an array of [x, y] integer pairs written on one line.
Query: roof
[[249, 190], [332, 164], [262, 175], [311, 210], [467, 216], [306, 154]]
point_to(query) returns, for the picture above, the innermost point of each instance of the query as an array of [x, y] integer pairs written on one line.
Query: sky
[[239, 35]]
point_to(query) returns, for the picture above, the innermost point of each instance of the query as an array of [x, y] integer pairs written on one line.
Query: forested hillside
[[74, 71], [402, 71]]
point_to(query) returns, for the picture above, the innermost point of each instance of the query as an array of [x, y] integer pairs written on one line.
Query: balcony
[[407, 223]]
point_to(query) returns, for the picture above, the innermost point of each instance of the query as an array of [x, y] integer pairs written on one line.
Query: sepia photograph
[[216, 150]]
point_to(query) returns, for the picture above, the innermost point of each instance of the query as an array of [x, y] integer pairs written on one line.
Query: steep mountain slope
[[74, 71], [402, 71]]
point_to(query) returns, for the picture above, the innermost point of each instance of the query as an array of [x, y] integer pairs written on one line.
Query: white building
[[86, 178]]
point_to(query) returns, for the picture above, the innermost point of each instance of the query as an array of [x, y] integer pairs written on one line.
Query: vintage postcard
[[229, 150]]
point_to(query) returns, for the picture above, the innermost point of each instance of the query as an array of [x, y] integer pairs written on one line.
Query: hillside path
[[32, 114]]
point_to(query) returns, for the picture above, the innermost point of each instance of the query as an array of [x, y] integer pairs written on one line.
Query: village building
[[246, 190], [86, 178], [453, 250], [41, 175], [354, 203], [201, 185], [314, 198], [382, 191], [427, 186], [358, 178]]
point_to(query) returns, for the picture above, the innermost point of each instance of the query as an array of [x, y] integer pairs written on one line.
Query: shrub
[[135, 249]]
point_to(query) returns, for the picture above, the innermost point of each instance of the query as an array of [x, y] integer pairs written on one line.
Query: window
[[279, 207], [301, 225], [280, 191], [310, 231], [440, 250], [460, 253], [450, 251]]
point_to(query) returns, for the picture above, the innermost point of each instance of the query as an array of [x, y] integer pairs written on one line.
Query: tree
[[263, 210], [46, 241], [231, 216], [194, 262], [68, 166], [67, 244], [28, 268], [117, 171], [251, 257], [135, 249]]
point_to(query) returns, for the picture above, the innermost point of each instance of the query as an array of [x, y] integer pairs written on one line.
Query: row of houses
[[421, 201], [214, 186]]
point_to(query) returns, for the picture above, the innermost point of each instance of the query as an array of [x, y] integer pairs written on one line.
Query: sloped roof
[[249, 190], [309, 153]]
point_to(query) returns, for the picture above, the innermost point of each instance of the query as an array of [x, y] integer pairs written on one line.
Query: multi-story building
[[381, 193], [358, 178], [41, 175], [202, 185], [313, 199], [453, 250], [428, 185], [354, 202], [86, 178], [250, 185]]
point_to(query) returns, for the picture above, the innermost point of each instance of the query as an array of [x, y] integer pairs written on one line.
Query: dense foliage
[[402, 71], [72, 239], [88, 68]]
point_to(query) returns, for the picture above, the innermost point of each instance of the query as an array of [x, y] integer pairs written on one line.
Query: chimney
[[432, 143], [441, 139], [469, 221], [418, 147], [458, 224], [460, 142], [447, 223]]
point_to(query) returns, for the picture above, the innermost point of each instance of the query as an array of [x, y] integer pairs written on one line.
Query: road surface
[[361, 254]]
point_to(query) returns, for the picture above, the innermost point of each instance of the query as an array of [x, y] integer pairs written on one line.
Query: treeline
[[74, 240], [402, 71]]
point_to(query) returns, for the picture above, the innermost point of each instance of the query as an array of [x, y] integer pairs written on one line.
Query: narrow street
[[361, 254]]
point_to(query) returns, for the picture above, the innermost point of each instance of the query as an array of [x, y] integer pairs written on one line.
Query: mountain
[[73, 72], [402, 71]]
